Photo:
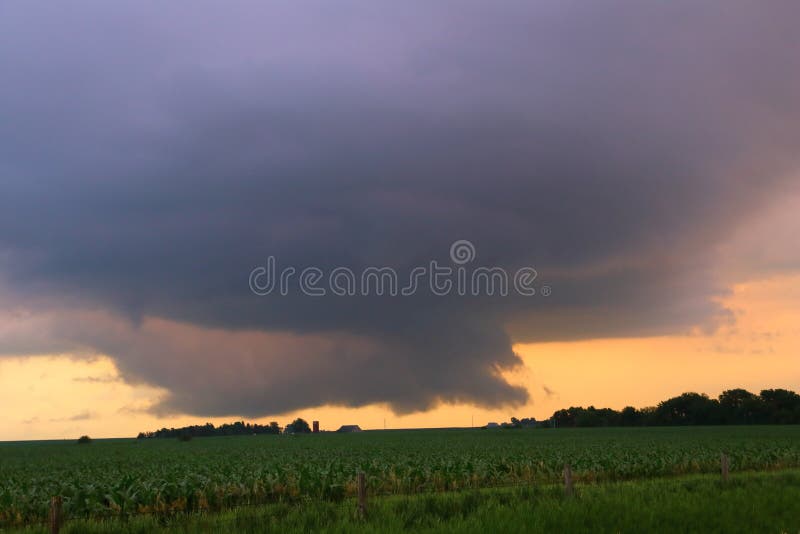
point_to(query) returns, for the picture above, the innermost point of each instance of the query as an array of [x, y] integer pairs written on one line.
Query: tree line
[[732, 407], [239, 428]]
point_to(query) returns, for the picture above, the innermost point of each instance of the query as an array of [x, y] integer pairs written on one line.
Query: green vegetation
[[239, 428], [750, 502], [298, 426], [166, 477], [733, 407]]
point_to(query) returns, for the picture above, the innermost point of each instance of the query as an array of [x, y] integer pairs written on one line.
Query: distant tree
[[298, 426], [525, 422], [84, 440], [239, 428], [630, 416], [781, 406], [578, 416], [739, 406], [688, 409], [592, 416], [734, 406], [648, 414], [564, 418]]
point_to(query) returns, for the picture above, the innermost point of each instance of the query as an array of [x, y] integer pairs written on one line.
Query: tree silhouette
[[298, 426]]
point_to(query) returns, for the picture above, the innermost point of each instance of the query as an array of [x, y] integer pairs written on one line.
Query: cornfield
[[129, 477]]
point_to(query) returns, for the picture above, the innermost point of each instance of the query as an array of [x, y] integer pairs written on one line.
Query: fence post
[[568, 489], [725, 465], [55, 514], [362, 494]]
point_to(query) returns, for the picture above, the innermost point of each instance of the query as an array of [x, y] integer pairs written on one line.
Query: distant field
[[121, 477]]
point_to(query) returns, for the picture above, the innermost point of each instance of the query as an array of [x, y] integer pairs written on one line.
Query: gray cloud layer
[[151, 155]]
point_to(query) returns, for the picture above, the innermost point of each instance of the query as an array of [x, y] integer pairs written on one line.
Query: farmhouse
[[349, 428]]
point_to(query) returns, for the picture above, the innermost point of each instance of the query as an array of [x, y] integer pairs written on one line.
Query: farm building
[[492, 425], [349, 428]]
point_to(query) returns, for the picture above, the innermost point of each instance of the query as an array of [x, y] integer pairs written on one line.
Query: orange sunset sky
[[58, 396]]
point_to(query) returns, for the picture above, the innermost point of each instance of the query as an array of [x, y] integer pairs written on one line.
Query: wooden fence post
[[725, 465], [568, 489], [55, 514], [362, 494]]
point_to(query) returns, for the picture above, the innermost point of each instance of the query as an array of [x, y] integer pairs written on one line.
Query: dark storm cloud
[[152, 155]]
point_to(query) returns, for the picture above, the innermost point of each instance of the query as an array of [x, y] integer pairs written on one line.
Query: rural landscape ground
[[631, 479]]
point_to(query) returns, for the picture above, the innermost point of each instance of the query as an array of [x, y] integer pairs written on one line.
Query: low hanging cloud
[[153, 155], [103, 379], [220, 372], [81, 416]]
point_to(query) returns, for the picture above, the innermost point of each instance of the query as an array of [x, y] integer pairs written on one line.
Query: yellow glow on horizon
[[61, 397]]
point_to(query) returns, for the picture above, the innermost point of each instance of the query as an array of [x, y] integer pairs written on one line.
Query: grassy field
[[748, 503], [312, 478]]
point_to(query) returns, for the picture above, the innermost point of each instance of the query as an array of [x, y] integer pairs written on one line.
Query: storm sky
[[152, 154]]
